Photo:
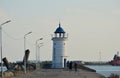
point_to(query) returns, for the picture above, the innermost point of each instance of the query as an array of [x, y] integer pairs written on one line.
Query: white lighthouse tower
[[59, 39]]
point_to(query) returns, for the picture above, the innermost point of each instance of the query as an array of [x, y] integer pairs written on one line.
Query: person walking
[[75, 66], [70, 65]]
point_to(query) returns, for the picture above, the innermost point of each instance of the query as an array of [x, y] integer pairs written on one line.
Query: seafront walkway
[[61, 73]]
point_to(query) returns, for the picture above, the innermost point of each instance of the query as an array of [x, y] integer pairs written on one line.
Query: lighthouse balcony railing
[[60, 36]]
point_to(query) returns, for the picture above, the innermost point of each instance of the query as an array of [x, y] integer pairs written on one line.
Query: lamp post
[[36, 51], [39, 46], [1, 45], [25, 50]]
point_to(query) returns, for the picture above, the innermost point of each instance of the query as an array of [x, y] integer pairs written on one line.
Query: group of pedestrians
[[72, 65]]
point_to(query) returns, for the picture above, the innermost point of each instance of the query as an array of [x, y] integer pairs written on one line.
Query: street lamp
[[39, 46], [1, 45], [36, 51], [25, 50]]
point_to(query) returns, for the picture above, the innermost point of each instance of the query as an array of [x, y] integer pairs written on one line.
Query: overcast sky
[[93, 27]]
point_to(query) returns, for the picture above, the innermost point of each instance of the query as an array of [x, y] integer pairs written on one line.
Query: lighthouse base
[[57, 65]]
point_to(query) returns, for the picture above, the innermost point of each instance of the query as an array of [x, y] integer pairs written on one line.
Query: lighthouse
[[59, 42]]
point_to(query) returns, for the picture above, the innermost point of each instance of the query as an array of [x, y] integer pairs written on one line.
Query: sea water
[[3, 68], [105, 70]]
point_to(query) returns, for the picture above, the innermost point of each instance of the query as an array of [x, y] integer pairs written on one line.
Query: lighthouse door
[[65, 61]]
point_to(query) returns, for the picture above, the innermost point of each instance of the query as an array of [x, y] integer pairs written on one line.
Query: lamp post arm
[[5, 22], [27, 33]]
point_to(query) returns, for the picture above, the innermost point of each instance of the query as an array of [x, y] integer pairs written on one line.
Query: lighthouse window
[[54, 50], [64, 43]]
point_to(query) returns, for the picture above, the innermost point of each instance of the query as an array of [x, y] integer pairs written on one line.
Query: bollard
[[6, 62]]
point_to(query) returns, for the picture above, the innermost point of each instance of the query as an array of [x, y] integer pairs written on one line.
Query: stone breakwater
[[60, 73]]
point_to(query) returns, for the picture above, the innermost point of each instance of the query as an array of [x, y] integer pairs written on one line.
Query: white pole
[[25, 50], [1, 51], [39, 46], [37, 52], [24, 55], [1, 45]]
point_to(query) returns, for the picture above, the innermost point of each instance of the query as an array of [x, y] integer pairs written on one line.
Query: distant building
[[59, 38]]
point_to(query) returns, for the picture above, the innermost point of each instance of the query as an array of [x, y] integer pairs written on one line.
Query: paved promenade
[[61, 73]]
